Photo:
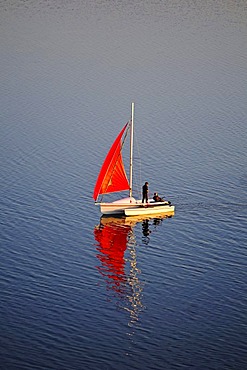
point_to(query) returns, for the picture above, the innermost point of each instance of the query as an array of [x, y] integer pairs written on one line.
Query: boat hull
[[118, 207], [131, 207], [150, 209], [110, 209]]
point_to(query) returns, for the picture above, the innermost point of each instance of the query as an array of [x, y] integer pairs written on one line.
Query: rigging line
[[136, 183], [140, 166]]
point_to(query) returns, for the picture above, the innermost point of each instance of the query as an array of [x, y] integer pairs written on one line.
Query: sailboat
[[113, 178]]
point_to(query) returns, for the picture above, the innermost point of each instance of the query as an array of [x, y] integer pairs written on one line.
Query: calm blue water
[[78, 292]]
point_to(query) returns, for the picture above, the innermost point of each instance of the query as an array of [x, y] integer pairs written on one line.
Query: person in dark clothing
[[145, 192], [156, 198]]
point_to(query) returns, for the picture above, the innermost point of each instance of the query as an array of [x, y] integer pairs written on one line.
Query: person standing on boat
[[145, 192]]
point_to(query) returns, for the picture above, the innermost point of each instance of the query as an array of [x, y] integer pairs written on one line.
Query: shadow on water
[[117, 252]]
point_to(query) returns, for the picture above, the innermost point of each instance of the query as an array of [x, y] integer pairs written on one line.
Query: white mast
[[131, 147]]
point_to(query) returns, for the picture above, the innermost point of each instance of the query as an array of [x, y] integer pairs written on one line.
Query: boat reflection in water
[[117, 253]]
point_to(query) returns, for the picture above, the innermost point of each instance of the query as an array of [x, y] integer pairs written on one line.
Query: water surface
[[82, 292]]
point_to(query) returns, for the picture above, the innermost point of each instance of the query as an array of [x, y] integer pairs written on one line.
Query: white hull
[[118, 207], [131, 207], [110, 209], [150, 209]]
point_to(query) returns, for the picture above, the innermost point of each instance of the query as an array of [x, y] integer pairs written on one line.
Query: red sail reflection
[[112, 241], [117, 252]]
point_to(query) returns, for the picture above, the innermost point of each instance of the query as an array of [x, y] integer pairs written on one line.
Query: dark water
[[78, 292]]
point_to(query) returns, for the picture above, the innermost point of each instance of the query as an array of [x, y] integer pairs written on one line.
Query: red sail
[[112, 176]]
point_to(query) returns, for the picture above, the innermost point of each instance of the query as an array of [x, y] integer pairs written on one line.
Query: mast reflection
[[117, 253], [116, 245]]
